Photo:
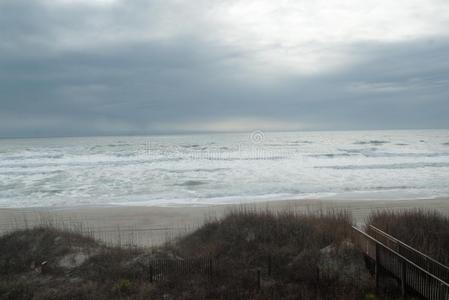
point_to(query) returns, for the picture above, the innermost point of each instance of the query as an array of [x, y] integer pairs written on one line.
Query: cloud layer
[[76, 67]]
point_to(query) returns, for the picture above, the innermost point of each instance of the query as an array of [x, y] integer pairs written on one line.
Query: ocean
[[206, 169]]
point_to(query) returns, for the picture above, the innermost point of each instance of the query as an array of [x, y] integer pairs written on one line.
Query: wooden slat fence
[[160, 269], [424, 261], [412, 276]]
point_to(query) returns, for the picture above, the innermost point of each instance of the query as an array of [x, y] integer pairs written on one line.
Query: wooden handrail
[[400, 256], [410, 274], [421, 257]]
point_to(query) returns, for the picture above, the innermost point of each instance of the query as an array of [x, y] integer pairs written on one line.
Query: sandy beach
[[147, 225]]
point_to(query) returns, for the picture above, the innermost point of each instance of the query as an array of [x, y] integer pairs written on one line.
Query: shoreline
[[327, 202], [153, 225], [346, 197]]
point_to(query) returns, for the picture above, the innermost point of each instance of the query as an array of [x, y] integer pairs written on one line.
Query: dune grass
[[256, 254], [305, 255]]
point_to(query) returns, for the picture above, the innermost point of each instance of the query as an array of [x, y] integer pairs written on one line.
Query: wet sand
[[147, 225]]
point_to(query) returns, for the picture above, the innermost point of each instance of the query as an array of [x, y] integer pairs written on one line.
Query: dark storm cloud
[[82, 70]]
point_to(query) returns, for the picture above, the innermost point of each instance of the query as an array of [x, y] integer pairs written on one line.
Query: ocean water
[[223, 168]]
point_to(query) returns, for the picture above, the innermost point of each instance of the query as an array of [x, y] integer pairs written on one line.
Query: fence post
[[377, 267], [210, 266], [151, 274], [258, 279], [403, 280]]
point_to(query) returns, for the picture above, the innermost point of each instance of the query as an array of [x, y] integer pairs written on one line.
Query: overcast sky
[[94, 67]]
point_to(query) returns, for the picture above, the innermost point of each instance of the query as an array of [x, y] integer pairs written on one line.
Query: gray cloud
[[134, 68]]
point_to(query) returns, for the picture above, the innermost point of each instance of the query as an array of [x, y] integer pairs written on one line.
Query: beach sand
[[149, 226]]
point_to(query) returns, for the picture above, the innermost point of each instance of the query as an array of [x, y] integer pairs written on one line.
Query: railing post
[[442, 292], [377, 267], [258, 279], [151, 274], [403, 280]]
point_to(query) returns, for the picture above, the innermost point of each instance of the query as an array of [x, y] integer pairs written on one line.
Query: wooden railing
[[424, 261], [412, 276]]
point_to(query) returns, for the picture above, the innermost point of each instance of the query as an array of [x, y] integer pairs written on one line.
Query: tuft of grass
[[246, 232], [123, 288]]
